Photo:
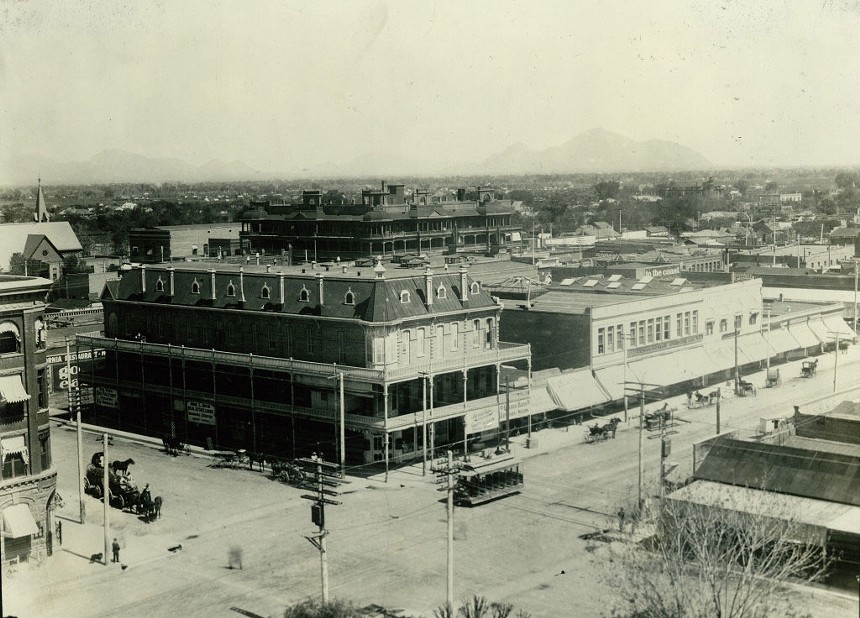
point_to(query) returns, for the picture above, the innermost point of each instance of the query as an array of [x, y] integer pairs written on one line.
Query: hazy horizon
[[300, 87]]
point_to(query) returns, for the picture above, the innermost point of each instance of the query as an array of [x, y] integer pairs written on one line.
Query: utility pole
[[835, 360], [445, 475], [326, 475], [342, 428], [767, 342], [737, 370], [641, 419], [507, 415], [624, 374], [106, 496], [856, 272], [719, 399]]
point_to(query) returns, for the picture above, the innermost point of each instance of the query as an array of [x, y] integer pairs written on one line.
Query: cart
[[808, 368], [773, 378]]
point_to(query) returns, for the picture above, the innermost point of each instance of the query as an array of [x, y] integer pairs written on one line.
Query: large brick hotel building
[[254, 358]]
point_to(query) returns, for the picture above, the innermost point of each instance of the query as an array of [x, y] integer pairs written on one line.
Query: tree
[[675, 211], [607, 189], [742, 185], [771, 185], [314, 608], [730, 560], [479, 607]]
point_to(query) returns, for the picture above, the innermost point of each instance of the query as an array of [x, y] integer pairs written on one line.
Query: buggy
[[773, 378], [808, 368]]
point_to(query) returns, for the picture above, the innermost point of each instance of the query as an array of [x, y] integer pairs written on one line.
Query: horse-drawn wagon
[[808, 368], [773, 378], [598, 432], [122, 492]]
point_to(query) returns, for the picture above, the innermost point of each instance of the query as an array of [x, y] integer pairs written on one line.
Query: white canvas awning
[[675, 368], [804, 335], [12, 389], [14, 445], [836, 324], [576, 390], [612, 379], [18, 521]]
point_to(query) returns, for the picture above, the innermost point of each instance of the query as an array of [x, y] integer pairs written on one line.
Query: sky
[[288, 85]]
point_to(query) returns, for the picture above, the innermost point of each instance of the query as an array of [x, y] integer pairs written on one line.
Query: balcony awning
[[804, 335], [12, 389], [576, 390], [673, 368], [18, 521]]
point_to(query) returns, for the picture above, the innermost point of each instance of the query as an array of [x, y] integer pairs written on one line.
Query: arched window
[[476, 287], [304, 295], [349, 298], [441, 292], [265, 292], [195, 287], [231, 289], [159, 285], [10, 338], [455, 336], [439, 343], [404, 297]]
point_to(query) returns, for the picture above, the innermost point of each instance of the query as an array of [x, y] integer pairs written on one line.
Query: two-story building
[[288, 361], [28, 478]]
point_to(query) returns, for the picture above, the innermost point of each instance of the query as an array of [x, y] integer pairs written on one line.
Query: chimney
[[320, 287], [281, 286], [464, 281], [172, 281], [428, 287], [143, 278], [241, 284], [268, 268], [461, 195], [212, 281]]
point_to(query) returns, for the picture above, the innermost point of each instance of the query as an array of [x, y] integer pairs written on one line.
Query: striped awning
[[18, 521], [12, 389]]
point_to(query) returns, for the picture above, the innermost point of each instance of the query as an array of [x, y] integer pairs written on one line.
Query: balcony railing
[[505, 352]]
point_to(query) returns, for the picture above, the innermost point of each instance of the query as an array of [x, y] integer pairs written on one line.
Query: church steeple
[[41, 212]]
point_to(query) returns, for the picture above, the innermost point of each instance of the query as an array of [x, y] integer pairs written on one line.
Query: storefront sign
[[200, 412], [106, 397], [482, 419]]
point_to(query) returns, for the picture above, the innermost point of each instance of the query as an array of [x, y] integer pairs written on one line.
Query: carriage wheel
[[119, 502], [97, 491]]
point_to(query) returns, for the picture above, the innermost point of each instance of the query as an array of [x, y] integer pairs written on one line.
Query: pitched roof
[[13, 237]]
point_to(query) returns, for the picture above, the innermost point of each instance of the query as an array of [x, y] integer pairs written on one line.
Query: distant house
[[790, 197], [657, 231], [600, 229], [41, 250], [15, 237], [846, 236]]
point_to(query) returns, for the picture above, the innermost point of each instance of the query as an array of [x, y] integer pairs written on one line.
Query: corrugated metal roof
[[798, 471]]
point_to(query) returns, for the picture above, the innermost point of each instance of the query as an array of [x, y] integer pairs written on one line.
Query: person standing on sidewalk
[[115, 548]]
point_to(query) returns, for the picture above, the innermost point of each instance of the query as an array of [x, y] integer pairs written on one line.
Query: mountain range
[[594, 151]]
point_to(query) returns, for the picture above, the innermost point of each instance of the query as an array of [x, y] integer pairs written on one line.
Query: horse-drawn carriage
[[808, 368], [122, 491], [773, 378], [659, 418], [745, 388], [288, 472], [598, 432]]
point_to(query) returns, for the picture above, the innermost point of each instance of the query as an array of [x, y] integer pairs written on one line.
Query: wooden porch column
[[465, 409], [385, 426]]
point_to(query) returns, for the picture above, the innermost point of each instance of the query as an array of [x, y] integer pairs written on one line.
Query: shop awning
[[13, 445], [754, 347], [612, 379], [576, 390], [8, 327], [541, 401], [804, 335], [12, 389], [18, 521], [819, 329], [672, 368], [781, 341], [836, 324], [722, 355]]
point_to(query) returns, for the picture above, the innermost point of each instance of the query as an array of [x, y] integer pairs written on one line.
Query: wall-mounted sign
[[200, 412], [106, 397], [482, 419]]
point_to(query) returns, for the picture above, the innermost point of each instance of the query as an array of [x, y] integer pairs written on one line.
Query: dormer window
[[159, 285], [441, 292], [476, 287], [231, 289], [265, 292], [404, 297], [195, 287], [304, 295], [349, 298]]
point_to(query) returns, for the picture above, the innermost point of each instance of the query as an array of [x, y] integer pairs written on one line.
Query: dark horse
[[172, 445], [156, 507], [121, 466], [147, 507]]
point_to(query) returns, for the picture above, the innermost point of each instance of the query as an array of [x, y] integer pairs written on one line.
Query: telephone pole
[[324, 475], [106, 496], [74, 399], [446, 474]]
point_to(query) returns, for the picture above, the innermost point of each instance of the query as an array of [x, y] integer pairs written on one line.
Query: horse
[[121, 466], [713, 396], [172, 445], [259, 458], [611, 426], [156, 507], [700, 398]]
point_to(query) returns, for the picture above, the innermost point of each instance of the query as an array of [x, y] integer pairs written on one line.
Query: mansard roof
[[395, 297]]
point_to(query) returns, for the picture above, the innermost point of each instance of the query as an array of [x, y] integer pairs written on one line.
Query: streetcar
[[483, 481]]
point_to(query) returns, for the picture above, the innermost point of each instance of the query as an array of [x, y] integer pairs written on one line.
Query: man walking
[[115, 547]]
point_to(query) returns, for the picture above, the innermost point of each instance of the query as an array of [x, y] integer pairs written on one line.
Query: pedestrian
[[59, 532], [621, 516], [689, 399], [115, 548]]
